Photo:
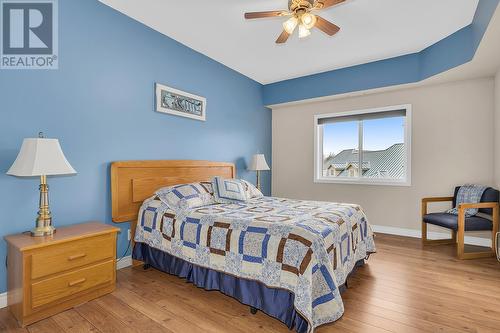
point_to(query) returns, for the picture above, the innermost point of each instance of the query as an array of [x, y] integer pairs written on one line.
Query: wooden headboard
[[134, 181]]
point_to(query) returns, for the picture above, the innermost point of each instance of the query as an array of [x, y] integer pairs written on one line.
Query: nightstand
[[47, 275]]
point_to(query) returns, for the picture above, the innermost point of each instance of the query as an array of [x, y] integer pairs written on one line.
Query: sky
[[378, 134]]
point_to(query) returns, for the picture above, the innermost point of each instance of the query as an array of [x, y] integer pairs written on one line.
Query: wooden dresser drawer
[[53, 289], [62, 257]]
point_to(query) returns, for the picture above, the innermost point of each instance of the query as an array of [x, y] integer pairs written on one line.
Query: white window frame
[[318, 149]]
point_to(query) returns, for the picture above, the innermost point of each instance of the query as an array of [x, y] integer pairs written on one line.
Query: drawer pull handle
[[74, 283], [76, 256]]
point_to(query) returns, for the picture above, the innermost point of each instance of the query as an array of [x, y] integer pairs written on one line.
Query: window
[[364, 147]]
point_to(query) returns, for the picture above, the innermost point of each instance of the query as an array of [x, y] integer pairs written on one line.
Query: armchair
[[487, 220]]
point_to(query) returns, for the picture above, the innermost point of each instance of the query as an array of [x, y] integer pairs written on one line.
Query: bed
[[287, 258]]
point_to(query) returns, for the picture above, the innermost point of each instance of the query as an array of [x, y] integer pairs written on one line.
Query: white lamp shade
[[258, 163], [40, 157]]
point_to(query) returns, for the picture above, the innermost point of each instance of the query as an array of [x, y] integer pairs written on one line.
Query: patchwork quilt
[[306, 247]]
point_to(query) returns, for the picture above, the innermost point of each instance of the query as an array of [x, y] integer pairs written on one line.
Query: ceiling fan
[[300, 12]]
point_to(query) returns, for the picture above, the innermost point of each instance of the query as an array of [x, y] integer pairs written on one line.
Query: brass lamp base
[[43, 231], [44, 220], [258, 181]]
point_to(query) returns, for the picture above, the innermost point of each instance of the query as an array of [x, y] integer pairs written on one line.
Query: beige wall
[[452, 143], [497, 131]]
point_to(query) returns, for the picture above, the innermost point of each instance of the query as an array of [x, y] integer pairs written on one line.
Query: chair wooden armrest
[[425, 201], [436, 199], [426, 241], [461, 229], [478, 205]]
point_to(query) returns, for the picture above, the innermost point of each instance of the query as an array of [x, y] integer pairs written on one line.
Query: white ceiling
[[370, 30]]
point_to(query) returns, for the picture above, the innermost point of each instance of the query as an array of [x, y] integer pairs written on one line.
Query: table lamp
[[41, 157], [258, 164]]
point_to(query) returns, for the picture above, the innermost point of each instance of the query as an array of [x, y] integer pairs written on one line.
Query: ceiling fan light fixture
[[300, 13], [290, 24], [303, 31], [308, 20]]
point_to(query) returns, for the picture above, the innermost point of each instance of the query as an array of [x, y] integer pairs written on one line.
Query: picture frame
[[180, 103]]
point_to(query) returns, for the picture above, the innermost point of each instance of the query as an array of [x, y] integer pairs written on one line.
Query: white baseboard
[[124, 262], [414, 233]]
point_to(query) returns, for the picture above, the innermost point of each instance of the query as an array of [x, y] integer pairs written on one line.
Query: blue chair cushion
[[450, 221]]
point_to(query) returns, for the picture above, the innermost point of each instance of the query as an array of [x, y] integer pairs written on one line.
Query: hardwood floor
[[403, 288]]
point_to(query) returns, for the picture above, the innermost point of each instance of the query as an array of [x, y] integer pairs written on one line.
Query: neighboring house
[[388, 163]]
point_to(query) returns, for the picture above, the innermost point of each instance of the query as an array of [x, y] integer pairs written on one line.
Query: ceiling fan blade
[[320, 4], [256, 15], [326, 26], [283, 37]]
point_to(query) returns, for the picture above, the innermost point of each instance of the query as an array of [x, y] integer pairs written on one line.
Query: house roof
[[375, 162]]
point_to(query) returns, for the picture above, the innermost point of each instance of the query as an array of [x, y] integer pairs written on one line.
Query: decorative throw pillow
[[228, 190], [187, 196], [252, 191]]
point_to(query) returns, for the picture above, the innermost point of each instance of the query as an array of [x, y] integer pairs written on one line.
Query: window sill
[[377, 182]]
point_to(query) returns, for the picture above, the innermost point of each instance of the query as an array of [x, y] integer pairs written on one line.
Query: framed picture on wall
[[180, 103]]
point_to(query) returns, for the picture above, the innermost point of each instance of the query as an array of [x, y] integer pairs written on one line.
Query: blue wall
[[100, 105], [448, 53]]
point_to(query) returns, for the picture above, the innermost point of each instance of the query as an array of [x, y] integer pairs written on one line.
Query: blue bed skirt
[[277, 303]]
